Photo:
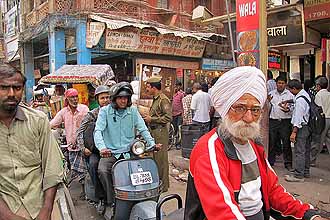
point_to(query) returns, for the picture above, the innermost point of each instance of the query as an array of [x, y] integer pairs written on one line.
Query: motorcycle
[[137, 189]]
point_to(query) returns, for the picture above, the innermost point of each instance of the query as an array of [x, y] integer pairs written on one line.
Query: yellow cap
[[154, 79]]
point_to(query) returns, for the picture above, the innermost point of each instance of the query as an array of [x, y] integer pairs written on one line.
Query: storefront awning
[[114, 24]]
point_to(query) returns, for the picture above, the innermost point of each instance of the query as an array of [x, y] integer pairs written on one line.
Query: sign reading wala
[[247, 26]]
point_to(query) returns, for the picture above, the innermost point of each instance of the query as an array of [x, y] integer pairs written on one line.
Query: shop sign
[[247, 25], [316, 9], [12, 52], [10, 23], [274, 60], [82, 93], [94, 33], [285, 28], [150, 41], [168, 80], [214, 64]]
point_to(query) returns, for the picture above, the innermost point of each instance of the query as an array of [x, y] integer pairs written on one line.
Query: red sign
[[317, 12], [247, 15]]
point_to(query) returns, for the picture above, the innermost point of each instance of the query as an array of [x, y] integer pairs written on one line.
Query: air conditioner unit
[[201, 13]]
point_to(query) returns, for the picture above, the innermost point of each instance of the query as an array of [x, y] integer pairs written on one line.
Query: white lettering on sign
[[248, 9]]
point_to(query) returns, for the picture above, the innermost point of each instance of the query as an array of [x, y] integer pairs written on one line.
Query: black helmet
[[101, 89], [122, 89]]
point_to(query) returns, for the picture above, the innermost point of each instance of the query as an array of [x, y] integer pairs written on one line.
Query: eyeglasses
[[241, 110]]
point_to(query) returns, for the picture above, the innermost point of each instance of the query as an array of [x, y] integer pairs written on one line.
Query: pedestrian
[[301, 133], [322, 99], [230, 177], [160, 115], [31, 161], [177, 111], [280, 123], [186, 103], [216, 116], [271, 84], [201, 106], [72, 115], [115, 130], [85, 142]]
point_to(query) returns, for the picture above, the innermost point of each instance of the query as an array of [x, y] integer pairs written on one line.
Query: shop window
[[162, 3]]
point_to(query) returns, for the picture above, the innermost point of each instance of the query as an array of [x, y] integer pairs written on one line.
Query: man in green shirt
[[31, 161]]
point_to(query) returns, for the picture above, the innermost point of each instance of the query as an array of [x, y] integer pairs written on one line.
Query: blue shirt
[[116, 129], [300, 115]]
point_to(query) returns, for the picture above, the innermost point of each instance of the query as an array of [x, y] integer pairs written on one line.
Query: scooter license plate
[[141, 178]]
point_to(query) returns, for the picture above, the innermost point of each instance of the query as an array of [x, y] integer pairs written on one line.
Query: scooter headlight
[[138, 148]]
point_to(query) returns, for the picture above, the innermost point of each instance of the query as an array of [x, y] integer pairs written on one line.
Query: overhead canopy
[[114, 24], [95, 74]]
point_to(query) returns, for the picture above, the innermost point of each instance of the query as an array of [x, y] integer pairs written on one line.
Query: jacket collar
[[113, 111], [20, 115]]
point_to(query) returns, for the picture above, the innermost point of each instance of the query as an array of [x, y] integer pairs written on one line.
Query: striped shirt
[[249, 198]]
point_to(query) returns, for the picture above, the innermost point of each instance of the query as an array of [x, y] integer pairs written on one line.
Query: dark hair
[[308, 84], [157, 85], [205, 87], [214, 81], [294, 84], [188, 91], [178, 83], [269, 74], [323, 82], [281, 78], [7, 71]]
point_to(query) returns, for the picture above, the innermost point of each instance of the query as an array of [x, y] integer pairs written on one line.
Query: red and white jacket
[[215, 181]]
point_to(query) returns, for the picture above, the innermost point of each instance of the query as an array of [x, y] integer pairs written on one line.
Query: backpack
[[316, 117], [88, 135]]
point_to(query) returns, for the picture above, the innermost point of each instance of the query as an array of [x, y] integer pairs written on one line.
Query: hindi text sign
[[150, 41], [94, 33]]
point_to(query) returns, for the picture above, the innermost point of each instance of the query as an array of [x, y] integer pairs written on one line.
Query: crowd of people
[[230, 176]]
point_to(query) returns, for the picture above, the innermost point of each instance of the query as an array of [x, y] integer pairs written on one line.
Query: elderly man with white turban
[[230, 177]]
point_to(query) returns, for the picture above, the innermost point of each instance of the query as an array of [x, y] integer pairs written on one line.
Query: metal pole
[[230, 33]]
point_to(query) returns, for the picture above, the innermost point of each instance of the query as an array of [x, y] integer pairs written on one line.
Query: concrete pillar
[[28, 70], [57, 56], [84, 55]]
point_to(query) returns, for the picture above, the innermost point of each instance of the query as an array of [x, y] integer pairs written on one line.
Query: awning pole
[[230, 34]]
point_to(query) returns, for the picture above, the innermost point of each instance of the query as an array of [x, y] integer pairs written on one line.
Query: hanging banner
[[94, 33], [247, 26], [150, 41]]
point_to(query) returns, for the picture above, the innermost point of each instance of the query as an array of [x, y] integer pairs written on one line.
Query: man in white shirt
[[200, 106], [322, 99], [301, 133], [280, 123]]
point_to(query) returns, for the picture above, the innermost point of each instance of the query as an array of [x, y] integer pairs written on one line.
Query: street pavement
[[315, 190]]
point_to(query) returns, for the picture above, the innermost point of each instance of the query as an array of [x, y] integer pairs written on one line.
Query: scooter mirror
[[138, 148]]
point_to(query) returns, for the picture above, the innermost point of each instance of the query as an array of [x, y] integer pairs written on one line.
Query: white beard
[[240, 130]]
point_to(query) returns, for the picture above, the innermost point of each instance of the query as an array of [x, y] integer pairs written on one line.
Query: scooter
[[137, 188]]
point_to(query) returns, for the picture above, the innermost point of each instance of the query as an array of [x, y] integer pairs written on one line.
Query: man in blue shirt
[[115, 130]]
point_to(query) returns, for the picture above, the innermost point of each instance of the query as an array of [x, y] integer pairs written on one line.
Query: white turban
[[232, 85]]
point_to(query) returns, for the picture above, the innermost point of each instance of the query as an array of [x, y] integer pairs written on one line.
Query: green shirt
[[93, 105], [31, 160]]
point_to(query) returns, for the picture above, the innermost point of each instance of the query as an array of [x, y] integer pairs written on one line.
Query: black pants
[[93, 163], [105, 175], [280, 130]]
